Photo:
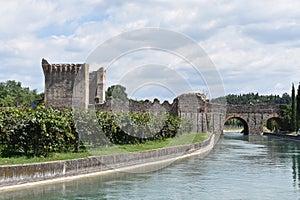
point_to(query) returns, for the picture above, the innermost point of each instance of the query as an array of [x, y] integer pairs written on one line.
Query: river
[[239, 167]]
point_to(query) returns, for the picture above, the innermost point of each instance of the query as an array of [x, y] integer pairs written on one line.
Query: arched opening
[[236, 124], [273, 125]]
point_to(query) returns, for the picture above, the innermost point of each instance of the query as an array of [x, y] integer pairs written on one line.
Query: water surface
[[239, 167]]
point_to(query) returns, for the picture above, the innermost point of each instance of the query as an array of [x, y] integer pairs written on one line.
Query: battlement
[[61, 68]]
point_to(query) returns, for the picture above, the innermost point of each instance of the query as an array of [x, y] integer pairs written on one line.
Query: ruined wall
[[205, 117], [155, 107], [66, 84], [193, 106], [216, 115]]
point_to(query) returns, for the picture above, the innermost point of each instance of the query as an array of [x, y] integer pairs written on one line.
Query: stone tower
[[66, 85], [97, 86]]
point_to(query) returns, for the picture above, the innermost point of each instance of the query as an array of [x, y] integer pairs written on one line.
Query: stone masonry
[[253, 116], [65, 82], [97, 86], [71, 85]]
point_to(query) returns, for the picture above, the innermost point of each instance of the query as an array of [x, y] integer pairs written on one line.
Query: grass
[[184, 139]]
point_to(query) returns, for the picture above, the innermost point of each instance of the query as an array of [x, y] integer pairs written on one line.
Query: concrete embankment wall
[[17, 174], [290, 137]]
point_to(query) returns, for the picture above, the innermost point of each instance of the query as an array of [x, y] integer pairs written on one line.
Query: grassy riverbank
[[183, 139]]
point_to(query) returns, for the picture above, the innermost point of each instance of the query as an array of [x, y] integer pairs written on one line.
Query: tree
[[298, 108], [12, 94], [285, 113], [116, 92], [254, 99], [293, 116]]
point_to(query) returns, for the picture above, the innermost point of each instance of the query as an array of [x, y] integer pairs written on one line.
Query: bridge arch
[[274, 117], [242, 119]]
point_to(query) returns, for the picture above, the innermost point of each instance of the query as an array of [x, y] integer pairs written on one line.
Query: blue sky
[[254, 45]]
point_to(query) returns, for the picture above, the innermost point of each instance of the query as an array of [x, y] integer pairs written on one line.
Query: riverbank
[[30, 175], [182, 139], [285, 136]]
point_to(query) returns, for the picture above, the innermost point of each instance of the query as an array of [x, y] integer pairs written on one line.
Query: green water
[[240, 167]]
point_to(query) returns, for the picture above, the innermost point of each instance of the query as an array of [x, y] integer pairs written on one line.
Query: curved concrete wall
[[290, 137], [16, 174]]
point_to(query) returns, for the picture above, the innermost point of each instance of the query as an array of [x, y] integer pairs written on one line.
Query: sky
[[254, 46]]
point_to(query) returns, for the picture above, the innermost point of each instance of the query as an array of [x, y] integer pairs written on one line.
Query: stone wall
[[205, 117], [193, 107], [155, 107], [216, 114]]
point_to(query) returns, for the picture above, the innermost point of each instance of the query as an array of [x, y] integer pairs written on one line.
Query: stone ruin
[[72, 85]]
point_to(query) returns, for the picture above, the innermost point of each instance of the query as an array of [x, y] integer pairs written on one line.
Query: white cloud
[[254, 44]]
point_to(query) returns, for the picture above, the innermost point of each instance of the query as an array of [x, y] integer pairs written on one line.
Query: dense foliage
[[286, 117], [116, 92], [12, 94], [40, 132], [251, 98], [234, 122], [298, 108], [35, 132], [293, 110]]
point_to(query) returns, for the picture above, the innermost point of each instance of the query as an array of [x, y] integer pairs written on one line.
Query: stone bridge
[[253, 117], [209, 117]]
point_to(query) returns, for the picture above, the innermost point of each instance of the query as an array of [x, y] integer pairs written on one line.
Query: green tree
[[285, 113], [293, 115], [298, 108], [116, 92], [12, 94]]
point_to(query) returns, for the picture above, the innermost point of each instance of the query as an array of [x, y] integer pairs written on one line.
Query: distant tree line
[[255, 98]]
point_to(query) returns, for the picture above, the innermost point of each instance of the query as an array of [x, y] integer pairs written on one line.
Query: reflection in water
[[296, 170], [239, 167]]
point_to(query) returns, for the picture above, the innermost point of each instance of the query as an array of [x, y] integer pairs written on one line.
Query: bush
[[35, 132], [43, 131]]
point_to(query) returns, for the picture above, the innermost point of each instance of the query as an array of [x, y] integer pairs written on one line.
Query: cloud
[[253, 44]]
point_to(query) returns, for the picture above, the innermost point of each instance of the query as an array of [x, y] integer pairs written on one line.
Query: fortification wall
[[193, 106], [155, 107]]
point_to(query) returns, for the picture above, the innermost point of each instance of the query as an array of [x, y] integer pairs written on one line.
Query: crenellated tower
[[66, 85]]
